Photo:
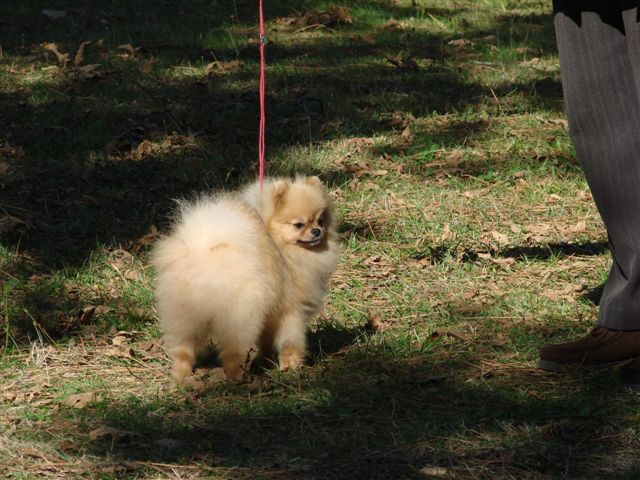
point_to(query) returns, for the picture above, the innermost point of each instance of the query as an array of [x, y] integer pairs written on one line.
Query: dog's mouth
[[310, 243]]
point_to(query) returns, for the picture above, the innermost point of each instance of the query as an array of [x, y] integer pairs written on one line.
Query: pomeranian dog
[[246, 270]]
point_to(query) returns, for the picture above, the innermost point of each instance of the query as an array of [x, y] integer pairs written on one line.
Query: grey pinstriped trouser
[[600, 68]]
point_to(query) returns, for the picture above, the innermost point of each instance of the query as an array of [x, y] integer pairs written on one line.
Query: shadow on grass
[[326, 339], [77, 171], [555, 250], [368, 415], [94, 160], [593, 294], [437, 254]]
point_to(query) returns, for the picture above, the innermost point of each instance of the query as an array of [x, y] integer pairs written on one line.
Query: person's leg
[[600, 67]]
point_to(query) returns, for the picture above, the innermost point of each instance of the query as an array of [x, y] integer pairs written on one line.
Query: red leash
[[262, 110]]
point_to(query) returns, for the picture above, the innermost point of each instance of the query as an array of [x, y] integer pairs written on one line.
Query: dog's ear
[[313, 181], [279, 188]]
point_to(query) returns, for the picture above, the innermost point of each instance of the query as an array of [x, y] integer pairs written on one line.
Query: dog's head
[[302, 214]]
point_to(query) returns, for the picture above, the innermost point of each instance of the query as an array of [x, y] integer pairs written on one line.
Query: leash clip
[[263, 39]]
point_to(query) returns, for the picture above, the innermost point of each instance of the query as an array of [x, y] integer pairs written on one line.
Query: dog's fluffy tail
[[215, 263]]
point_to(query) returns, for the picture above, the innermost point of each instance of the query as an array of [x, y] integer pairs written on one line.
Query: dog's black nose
[[316, 232]]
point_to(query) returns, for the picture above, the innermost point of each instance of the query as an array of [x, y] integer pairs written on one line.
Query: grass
[[469, 239]]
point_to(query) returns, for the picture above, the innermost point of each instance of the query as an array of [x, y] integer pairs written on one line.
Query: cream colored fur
[[239, 269]]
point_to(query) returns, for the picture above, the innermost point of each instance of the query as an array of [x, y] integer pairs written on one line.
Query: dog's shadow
[[325, 339], [329, 338]]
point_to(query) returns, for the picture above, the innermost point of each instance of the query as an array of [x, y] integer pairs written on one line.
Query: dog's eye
[[321, 221], [298, 225]]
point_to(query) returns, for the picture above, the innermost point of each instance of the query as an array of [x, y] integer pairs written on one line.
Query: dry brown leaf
[[102, 310], [11, 224], [340, 14], [584, 196], [579, 227], [501, 238], [393, 25], [79, 58], [120, 467], [128, 48], [360, 141], [174, 140], [138, 312], [445, 332], [374, 322], [8, 151], [406, 135], [144, 149], [359, 169], [81, 400], [532, 62], [446, 233], [285, 21], [468, 307], [460, 42], [147, 67], [217, 66], [474, 193], [86, 314], [434, 472], [144, 241], [151, 346], [539, 229], [397, 118], [63, 58], [364, 38], [92, 70], [502, 262], [126, 334], [317, 19], [131, 274], [115, 434], [120, 340], [394, 201], [121, 351], [335, 14], [69, 446], [567, 293], [119, 258], [469, 294], [30, 394], [32, 452], [454, 158], [500, 339], [373, 260], [404, 62]]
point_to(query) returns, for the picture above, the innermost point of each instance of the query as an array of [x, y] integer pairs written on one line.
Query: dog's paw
[[291, 358], [181, 373]]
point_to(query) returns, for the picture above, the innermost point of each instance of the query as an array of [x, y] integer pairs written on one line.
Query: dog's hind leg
[[184, 358], [238, 337]]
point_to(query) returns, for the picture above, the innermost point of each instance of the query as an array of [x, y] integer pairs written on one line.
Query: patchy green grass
[[469, 239]]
